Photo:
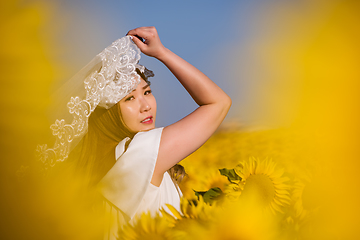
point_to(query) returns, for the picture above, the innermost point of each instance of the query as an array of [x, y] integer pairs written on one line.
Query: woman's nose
[[145, 106]]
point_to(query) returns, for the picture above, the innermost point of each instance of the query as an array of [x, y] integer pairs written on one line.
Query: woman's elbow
[[227, 102], [224, 105]]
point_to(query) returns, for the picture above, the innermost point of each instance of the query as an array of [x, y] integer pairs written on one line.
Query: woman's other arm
[[188, 134]]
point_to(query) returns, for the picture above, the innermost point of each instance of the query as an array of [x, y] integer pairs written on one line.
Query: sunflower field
[[264, 184], [299, 180]]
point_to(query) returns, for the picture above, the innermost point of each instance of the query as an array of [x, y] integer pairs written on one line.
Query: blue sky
[[207, 34]]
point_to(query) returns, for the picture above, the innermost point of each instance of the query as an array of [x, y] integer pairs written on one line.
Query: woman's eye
[[147, 92], [129, 98]]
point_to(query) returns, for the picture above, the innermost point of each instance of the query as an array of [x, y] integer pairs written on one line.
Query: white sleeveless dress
[[127, 188]]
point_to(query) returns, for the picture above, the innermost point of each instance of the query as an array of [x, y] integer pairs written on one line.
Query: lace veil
[[103, 82]]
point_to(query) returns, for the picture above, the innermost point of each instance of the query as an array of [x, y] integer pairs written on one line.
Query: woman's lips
[[147, 120]]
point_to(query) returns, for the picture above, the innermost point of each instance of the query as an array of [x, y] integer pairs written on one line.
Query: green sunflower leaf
[[213, 194], [230, 174]]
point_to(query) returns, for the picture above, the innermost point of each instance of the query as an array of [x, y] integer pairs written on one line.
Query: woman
[[126, 158]]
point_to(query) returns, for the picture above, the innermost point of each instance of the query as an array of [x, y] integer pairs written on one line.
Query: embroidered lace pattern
[[106, 87]]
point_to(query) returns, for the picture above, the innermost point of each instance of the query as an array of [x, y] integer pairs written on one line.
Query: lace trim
[[116, 78]]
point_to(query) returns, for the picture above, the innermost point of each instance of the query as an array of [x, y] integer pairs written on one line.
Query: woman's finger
[[144, 32], [151, 45], [138, 42], [137, 31]]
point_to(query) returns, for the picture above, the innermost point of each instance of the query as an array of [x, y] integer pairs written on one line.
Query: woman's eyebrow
[[144, 87]]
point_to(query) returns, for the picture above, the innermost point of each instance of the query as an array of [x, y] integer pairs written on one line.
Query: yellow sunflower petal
[[174, 211], [271, 168], [277, 173], [276, 207]]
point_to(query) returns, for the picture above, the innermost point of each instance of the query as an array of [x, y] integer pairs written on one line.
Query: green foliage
[[230, 174], [213, 194]]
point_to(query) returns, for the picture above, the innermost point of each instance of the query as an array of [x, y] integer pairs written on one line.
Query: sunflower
[[298, 189], [239, 221], [193, 209], [195, 217], [308, 194], [205, 181], [263, 181], [201, 181], [149, 227]]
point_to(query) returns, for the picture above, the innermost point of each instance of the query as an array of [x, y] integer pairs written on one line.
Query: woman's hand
[[152, 45]]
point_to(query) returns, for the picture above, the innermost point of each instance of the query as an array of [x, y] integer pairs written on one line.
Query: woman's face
[[138, 109]]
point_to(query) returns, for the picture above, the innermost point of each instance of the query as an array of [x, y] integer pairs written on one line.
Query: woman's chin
[[149, 128], [146, 128]]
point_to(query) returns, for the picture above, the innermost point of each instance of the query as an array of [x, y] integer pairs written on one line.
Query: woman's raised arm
[[188, 134]]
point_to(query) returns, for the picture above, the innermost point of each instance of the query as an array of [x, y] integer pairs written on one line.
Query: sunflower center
[[259, 186]]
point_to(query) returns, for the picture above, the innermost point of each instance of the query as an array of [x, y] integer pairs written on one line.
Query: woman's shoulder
[[150, 136], [150, 133], [146, 142]]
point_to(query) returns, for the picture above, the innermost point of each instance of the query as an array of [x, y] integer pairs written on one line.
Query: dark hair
[[106, 129]]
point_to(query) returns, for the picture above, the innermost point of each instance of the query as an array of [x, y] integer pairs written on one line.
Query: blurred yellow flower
[[148, 227], [202, 181], [194, 209], [298, 189], [195, 217], [241, 221], [263, 181]]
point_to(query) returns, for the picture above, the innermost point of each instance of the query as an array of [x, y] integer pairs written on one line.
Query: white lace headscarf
[[108, 78]]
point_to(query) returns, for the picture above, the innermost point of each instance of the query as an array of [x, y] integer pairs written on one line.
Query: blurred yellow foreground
[[296, 181]]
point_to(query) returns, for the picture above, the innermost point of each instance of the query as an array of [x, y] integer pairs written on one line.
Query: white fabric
[[127, 187], [157, 197]]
